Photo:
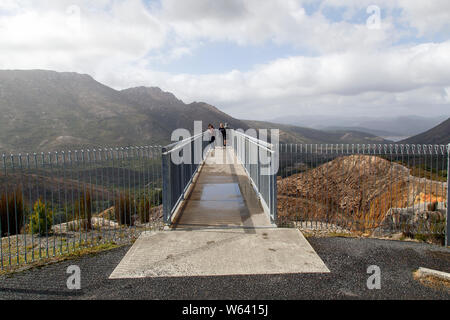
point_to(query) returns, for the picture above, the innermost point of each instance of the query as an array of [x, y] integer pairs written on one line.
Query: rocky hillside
[[356, 192], [437, 135], [167, 110]]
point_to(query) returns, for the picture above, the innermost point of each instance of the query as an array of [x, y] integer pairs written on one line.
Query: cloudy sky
[[251, 58]]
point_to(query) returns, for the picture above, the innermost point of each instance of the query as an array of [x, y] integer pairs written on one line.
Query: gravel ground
[[347, 258]]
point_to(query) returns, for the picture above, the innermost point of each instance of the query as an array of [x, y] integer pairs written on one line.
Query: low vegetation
[[24, 259], [432, 282], [144, 210], [83, 211], [41, 219], [124, 209], [11, 213]]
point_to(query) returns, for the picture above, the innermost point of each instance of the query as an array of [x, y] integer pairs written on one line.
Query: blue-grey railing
[[260, 161], [178, 175], [447, 222]]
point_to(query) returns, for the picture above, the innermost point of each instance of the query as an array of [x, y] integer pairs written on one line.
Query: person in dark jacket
[[223, 131]]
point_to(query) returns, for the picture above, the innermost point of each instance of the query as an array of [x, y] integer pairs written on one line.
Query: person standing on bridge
[[212, 134], [223, 131], [212, 138]]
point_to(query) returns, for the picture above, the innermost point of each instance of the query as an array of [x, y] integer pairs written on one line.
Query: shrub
[[432, 206], [144, 210], [124, 207], [155, 196], [11, 213], [42, 219], [83, 210]]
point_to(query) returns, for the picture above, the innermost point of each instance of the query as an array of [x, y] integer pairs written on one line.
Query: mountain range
[[47, 110], [400, 127], [302, 135]]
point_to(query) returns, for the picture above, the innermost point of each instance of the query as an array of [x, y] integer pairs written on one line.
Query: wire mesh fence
[[56, 203], [371, 189]]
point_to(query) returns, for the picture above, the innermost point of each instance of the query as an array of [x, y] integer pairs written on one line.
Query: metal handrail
[[258, 142], [177, 178], [182, 143]]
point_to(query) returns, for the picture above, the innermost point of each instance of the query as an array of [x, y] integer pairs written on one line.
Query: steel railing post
[[274, 187], [274, 196], [258, 171], [166, 185], [447, 218]]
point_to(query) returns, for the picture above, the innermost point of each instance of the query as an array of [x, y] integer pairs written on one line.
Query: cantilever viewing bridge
[[221, 216]]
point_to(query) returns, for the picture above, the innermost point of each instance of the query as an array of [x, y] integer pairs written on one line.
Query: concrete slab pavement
[[214, 252]]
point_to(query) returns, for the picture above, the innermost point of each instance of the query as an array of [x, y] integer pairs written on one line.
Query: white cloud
[[427, 17], [48, 37], [345, 67], [256, 22], [365, 81]]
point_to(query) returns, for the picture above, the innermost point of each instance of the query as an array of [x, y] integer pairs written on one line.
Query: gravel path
[[347, 258]]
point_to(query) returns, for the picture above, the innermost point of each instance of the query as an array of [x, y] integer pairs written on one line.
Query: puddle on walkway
[[217, 192]]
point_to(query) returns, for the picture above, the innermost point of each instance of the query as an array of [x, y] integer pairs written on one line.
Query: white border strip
[[425, 272]]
